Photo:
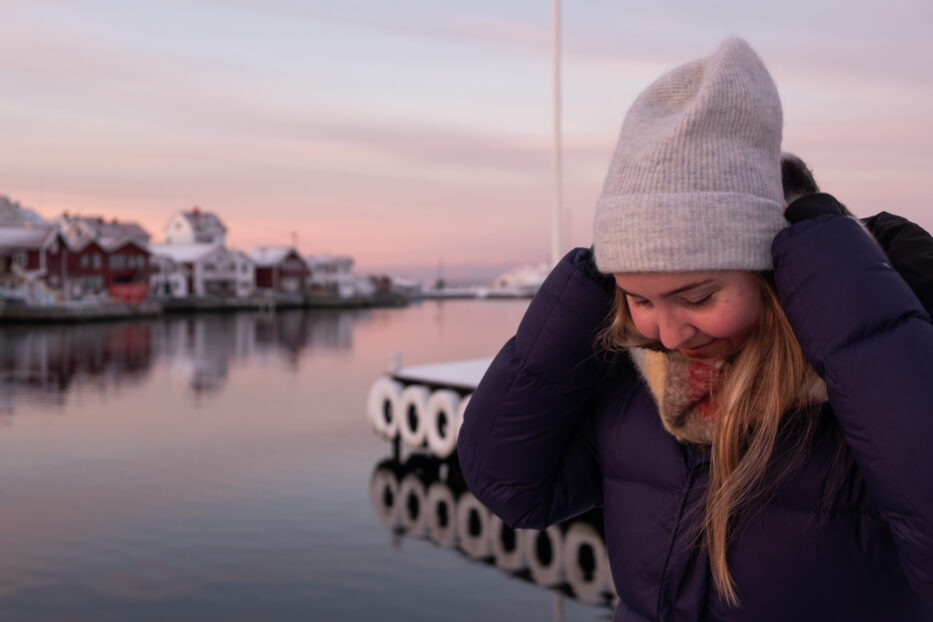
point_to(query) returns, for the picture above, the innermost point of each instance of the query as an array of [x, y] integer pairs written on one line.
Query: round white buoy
[[412, 406], [383, 407], [507, 545], [586, 563], [441, 515], [441, 422], [473, 527], [411, 501], [383, 494], [544, 552]]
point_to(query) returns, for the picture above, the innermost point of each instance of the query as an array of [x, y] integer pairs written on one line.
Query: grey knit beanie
[[695, 180]]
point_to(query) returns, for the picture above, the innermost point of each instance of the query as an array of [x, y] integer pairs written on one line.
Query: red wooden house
[[280, 269], [76, 259]]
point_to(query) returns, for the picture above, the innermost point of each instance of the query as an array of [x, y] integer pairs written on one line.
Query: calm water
[[221, 467]]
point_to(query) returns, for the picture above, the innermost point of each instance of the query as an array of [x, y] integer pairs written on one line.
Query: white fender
[[507, 544], [544, 552], [411, 505], [383, 407], [473, 527], [586, 563], [383, 494], [441, 508], [441, 422], [413, 405]]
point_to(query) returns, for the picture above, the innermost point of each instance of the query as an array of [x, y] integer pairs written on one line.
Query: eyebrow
[[673, 292]]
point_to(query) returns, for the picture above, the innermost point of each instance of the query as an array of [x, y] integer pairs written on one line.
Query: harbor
[[86, 268], [142, 449], [257, 260]]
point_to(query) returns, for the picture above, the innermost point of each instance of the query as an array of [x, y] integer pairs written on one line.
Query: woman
[[757, 432]]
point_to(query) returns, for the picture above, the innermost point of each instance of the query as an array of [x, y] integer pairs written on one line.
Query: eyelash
[[696, 304], [702, 302]]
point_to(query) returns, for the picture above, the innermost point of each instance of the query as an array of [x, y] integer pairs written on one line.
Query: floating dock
[[458, 375], [422, 406]]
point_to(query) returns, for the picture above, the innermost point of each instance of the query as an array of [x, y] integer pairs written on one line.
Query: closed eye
[[637, 302], [705, 300]]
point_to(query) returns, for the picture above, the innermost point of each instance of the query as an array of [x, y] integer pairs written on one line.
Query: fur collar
[[683, 391]]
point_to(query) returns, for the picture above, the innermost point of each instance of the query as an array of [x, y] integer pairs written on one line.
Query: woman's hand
[[813, 205]]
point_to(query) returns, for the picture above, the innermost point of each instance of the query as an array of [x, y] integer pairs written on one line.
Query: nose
[[673, 331]]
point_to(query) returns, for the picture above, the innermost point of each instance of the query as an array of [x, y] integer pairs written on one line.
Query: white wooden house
[[195, 226]]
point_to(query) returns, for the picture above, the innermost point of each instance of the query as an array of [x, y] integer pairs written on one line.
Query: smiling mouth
[[698, 351]]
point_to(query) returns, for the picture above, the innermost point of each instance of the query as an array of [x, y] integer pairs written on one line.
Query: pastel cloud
[[415, 132]]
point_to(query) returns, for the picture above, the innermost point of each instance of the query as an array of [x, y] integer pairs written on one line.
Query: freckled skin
[[707, 315]]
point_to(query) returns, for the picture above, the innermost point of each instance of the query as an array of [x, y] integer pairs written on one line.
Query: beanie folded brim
[[691, 231]]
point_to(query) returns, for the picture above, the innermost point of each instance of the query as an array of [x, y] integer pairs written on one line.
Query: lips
[[700, 351]]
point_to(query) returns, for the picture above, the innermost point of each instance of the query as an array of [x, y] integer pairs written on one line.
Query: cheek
[[738, 320], [643, 322]]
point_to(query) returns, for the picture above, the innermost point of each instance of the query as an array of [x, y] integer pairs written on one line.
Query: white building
[[334, 274], [168, 278], [210, 270], [522, 280], [195, 226]]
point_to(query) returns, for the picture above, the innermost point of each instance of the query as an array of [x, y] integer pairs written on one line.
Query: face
[[707, 315]]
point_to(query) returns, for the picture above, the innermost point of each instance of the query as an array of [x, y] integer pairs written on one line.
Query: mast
[[557, 242]]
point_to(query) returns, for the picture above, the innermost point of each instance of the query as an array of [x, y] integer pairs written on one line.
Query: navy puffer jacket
[[557, 427]]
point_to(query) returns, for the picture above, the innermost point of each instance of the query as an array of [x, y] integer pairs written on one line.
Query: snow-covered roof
[[463, 374], [241, 255], [267, 256], [322, 260], [183, 253], [79, 231], [204, 222], [12, 214], [12, 238], [192, 253]]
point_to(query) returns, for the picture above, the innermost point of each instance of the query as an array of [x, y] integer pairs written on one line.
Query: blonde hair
[[767, 377]]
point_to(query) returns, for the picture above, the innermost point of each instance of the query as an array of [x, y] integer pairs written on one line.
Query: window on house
[[85, 261], [96, 261]]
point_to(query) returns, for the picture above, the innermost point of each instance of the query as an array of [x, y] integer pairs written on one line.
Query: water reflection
[[426, 498], [42, 363], [45, 363], [215, 467]]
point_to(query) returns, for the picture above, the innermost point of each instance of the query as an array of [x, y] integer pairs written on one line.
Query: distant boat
[[522, 281]]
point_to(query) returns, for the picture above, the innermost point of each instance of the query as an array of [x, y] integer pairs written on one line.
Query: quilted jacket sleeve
[[865, 332], [526, 447]]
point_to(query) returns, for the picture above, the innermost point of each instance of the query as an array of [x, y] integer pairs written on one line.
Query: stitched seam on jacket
[[640, 482]]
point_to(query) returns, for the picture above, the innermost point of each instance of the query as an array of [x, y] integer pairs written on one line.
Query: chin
[[712, 353]]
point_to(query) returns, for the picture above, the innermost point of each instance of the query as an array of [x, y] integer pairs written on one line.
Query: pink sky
[[417, 132]]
